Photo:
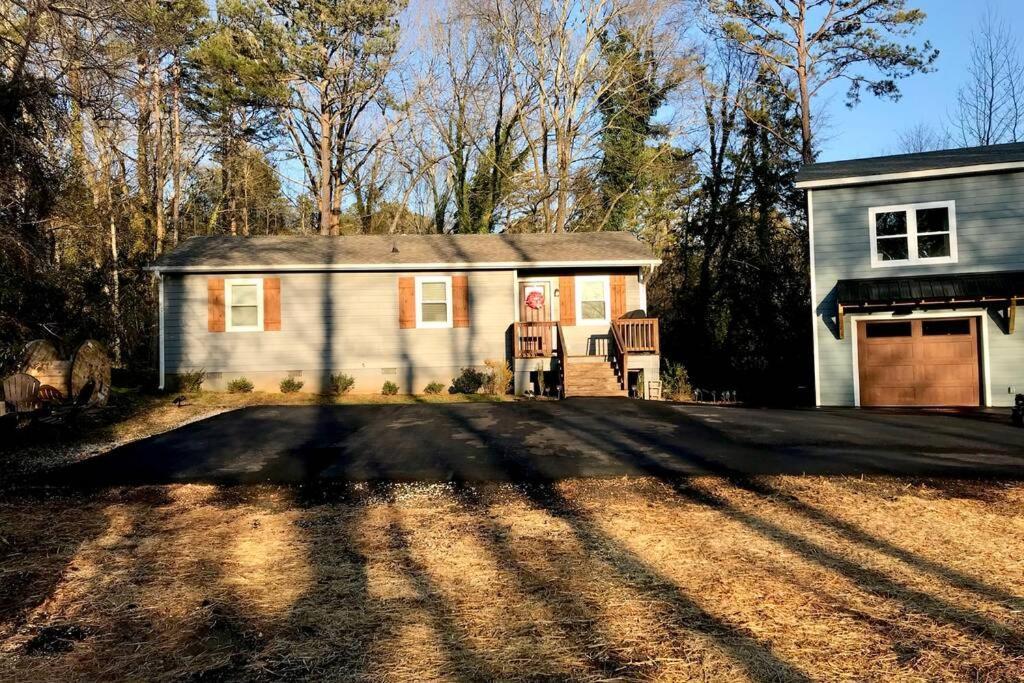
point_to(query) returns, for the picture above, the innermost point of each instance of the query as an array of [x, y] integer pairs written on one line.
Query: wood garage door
[[925, 362]]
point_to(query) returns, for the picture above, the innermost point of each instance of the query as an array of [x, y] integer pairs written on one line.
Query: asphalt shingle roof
[[905, 163], [291, 251]]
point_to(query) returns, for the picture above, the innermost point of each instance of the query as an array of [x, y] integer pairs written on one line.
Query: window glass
[[593, 305], [877, 330], [434, 302], [936, 328], [893, 249], [891, 223], [933, 246], [933, 220], [244, 306], [433, 291]]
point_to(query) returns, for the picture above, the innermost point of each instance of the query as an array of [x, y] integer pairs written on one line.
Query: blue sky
[[872, 128]]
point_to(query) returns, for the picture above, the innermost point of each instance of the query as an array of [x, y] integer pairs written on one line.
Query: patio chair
[[65, 415], [21, 392]]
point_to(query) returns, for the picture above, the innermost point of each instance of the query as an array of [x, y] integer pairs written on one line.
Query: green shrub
[[498, 377], [389, 388], [341, 383], [469, 382], [675, 383], [433, 388], [191, 382], [239, 386], [290, 385]]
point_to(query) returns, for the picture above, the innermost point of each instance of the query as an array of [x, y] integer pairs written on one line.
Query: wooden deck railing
[[621, 356], [533, 339], [639, 335], [562, 351]]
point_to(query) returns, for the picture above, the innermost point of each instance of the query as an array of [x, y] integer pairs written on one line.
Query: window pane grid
[[244, 305], [434, 303], [910, 234]]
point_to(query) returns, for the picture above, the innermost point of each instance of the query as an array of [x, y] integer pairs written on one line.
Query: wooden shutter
[[567, 300], [272, 304], [460, 301], [406, 302], [215, 304], [618, 294]]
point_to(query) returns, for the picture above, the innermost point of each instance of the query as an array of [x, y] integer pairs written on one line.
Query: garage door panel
[[958, 350], [888, 396], [894, 375], [945, 375], [888, 354], [947, 396], [932, 362]]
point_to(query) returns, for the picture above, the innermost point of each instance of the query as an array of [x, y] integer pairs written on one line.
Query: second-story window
[[913, 234]]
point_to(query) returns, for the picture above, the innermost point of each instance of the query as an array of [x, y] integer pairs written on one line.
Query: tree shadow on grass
[[756, 658], [870, 580], [849, 531]]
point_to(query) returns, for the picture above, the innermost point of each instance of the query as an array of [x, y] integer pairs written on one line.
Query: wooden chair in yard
[[21, 392], [64, 415]]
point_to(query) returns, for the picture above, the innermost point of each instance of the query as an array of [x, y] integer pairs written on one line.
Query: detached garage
[[922, 362], [930, 341]]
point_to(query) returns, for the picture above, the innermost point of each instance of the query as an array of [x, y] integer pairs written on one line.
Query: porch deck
[[544, 343]]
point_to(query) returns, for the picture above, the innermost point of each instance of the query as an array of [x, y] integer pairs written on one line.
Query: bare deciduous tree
[[990, 106]]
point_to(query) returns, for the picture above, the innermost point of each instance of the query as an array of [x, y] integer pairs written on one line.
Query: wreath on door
[[535, 299]]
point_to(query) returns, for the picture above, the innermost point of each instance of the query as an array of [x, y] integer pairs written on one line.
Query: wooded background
[[126, 127]]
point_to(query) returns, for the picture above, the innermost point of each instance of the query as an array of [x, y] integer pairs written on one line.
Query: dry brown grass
[[831, 579]]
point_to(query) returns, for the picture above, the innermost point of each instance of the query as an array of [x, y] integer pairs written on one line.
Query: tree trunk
[[176, 169], [561, 210], [245, 199], [142, 143], [159, 178], [326, 171], [806, 141], [106, 164]]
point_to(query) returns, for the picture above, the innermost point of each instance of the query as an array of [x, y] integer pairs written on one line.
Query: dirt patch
[[54, 639], [784, 578]]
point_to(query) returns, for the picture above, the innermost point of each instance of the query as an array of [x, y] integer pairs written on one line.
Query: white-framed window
[[433, 301], [243, 304], [913, 233], [593, 300]]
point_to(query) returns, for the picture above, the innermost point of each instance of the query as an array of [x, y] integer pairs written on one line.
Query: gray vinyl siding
[[348, 322], [990, 237], [338, 322]]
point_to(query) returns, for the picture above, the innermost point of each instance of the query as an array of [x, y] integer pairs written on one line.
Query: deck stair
[[591, 376]]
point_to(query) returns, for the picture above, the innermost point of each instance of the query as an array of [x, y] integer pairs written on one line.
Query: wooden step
[[586, 360], [591, 376], [595, 392]]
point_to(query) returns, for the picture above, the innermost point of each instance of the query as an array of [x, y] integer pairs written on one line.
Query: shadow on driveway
[[547, 441]]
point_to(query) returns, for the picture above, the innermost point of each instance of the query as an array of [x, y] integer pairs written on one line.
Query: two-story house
[[917, 263]]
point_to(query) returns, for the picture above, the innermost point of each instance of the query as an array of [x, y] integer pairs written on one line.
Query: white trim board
[[911, 175], [979, 313], [814, 299], [400, 267], [161, 333]]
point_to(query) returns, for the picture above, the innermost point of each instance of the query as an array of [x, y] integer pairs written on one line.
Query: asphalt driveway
[[546, 441]]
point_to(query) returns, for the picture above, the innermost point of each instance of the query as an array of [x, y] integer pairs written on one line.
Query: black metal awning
[[1003, 288], [931, 289]]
